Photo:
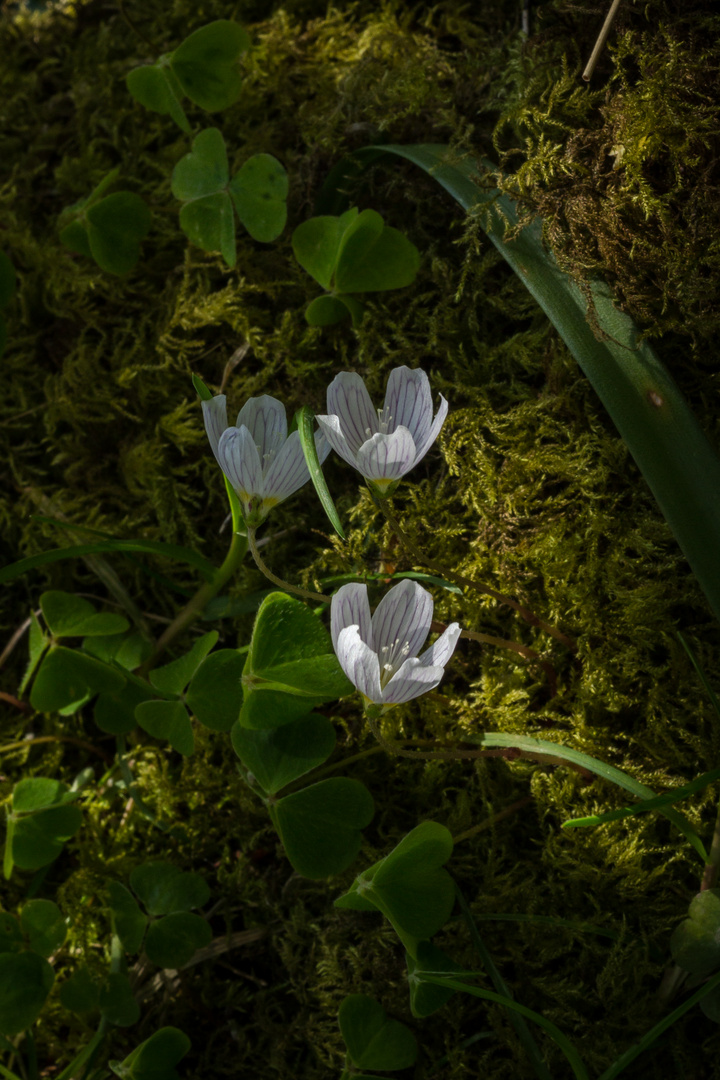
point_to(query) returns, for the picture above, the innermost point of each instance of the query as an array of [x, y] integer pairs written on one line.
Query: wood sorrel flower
[[378, 653], [263, 464], [384, 444]]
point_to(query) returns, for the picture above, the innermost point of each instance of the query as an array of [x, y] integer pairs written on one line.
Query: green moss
[[531, 491]]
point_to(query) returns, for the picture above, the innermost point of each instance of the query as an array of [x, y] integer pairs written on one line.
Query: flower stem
[[306, 594], [198, 602], [467, 583]]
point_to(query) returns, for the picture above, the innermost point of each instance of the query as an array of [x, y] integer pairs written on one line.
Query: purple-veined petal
[[240, 461], [350, 607], [401, 623], [287, 472], [265, 419], [433, 432], [408, 402], [215, 417], [387, 457], [359, 663], [348, 399], [441, 650], [410, 681], [330, 427]]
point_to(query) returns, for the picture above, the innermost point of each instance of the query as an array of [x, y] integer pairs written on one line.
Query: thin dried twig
[[600, 43]]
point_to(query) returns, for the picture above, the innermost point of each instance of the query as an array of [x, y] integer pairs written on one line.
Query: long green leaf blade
[[647, 1040], [576, 1062], [527, 744], [150, 547], [657, 803], [305, 419], [672, 452], [518, 1022]]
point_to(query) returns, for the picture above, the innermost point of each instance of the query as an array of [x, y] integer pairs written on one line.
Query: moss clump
[[532, 491]]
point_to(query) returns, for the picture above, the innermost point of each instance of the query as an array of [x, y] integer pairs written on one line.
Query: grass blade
[[518, 1022], [576, 1062], [624, 1060], [540, 748], [149, 547], [669, 447], [656, 803], [305, 421]]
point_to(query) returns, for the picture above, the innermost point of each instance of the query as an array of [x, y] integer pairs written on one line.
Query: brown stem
[[467, 583], [489, 822], [600, 43], [56, 738], [306, 594], [507, 643]]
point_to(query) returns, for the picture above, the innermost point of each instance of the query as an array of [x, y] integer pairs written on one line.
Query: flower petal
[[330, 427], [441, 650], [215, 417], [359, 663], [401, 622], [410, 681], [408, 402], [240, 461], [265, 419], [348, 399], [433, 432], [387, 457], [350, 607], [288, 470]]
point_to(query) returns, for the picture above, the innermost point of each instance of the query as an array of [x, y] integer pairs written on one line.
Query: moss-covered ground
[[531, 490]]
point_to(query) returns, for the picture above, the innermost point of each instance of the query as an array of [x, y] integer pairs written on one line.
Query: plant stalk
[[306, 594], [198, 602]]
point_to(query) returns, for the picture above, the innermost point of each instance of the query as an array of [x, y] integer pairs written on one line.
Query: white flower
[[384, 444], [379, 653], [261, 462]]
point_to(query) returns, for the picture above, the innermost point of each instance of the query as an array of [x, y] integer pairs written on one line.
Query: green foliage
[[536, 496], [129, 923], [165, 889], [156, 1058], [290, 666], [80, 993], [68, 676], [305, 423], [108, 229], [320, 825], [201, 180], [695, 943], [373, 1040], [353, 253], [43, 923], [203, 67], [167, 720], [26, 979], [409, 885], [172, 678], [168, 895], [39, 823], [173, 941], [215, 692], [71, 616], [117, 1001], [277, 756], [426, 998]]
